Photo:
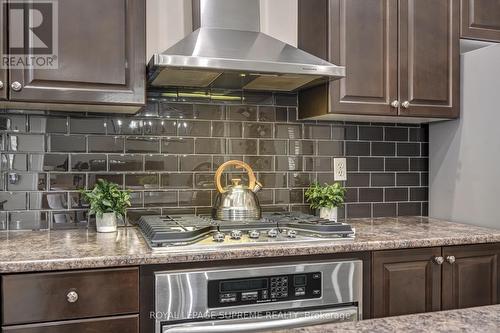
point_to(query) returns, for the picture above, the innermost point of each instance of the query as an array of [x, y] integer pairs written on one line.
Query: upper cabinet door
[[364, 39], [481, 20], [362, 36], [3, 47], [471, 276], [101, 56], [429, 58]]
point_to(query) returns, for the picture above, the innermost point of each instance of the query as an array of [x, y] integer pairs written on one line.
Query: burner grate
[[176, 230]]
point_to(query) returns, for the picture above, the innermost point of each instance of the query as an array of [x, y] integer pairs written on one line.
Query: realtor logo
[[33, 34]]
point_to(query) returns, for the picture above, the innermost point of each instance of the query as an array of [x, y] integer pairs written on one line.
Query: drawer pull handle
[[451, 259], [72, 296], [439, 260], [16, 86]]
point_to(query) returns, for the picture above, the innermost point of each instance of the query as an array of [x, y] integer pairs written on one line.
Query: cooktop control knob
[[218, 237], [236, 234], [254, 234], [273, 233], [291, 233]]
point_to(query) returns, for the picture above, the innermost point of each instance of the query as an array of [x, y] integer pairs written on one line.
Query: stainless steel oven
[[258, 298]]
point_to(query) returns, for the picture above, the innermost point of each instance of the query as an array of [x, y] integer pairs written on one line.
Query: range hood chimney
[[228, 51]]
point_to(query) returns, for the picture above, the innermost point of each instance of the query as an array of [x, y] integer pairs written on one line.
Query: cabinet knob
[[451, 259], [72, 296], [439, 260], [405, 104], [16, 86], [1, 84], [395, 104]]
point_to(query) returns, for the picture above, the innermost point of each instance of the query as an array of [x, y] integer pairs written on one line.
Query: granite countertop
[[485, 319], [23, 251]]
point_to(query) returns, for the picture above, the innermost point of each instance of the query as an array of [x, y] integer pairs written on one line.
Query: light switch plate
[[339, 169]]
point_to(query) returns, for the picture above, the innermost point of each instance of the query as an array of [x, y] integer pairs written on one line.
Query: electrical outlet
[[339, 169]]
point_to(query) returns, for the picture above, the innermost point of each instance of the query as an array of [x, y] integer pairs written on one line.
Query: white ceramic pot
[[106, 223], [329, 214]]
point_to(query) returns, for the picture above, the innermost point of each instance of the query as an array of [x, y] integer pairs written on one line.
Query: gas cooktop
[[181, 230]]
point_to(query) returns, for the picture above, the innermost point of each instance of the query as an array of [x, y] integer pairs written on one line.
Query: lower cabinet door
[[470, 276], [406, 281], [124, 324]]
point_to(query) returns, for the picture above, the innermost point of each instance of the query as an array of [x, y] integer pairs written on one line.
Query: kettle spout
[[257, 188]]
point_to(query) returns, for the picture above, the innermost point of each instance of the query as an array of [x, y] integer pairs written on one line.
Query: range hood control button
[[218, 237], [291, 233], [273, 233], [254, 234], [236, 234]]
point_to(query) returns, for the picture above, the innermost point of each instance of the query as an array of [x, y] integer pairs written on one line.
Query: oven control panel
[[255, 290]]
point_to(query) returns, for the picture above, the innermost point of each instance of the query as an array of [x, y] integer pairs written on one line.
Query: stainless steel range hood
[[228, 51]]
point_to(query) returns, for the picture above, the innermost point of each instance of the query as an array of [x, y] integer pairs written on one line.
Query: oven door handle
[[263, 323]]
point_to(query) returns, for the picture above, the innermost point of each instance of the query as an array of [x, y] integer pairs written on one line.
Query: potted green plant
[[327, 198], [107, 202]]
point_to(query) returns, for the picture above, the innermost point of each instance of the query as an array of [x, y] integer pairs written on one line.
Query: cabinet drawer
[[39, 297], [125, 324]]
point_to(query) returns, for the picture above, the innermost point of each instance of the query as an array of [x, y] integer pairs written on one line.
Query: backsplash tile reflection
[[167, 156]]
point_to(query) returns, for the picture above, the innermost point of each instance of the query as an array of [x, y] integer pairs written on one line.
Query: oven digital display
[[243, 285], [299, 280]]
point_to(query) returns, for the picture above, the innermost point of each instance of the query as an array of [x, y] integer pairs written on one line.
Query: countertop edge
[[172, 257], [458, 320]]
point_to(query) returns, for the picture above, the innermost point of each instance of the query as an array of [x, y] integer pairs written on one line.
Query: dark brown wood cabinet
[[401, 59], [54, 297], [480, 20], [406, 281], [101, 58], [470, 276], [432, 279], [122, 324], [429, 57], [358, 34]]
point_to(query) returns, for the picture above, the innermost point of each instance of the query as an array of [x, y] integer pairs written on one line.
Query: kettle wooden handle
[[220, 170]]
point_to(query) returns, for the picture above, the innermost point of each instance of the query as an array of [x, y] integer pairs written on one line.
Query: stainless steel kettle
[[237, 202]]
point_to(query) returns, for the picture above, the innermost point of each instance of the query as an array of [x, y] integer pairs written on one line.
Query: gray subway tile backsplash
[[67, 181], [242, 112], [371, 133], [142, 145], [242, 146], [13, 201], [125, 162], [161, 163], [49, 162], [67, 143], [88, 162], [14, 162], [87, 125], [168, 153], [396, 134], [409, 208], [288, 131], [25, 143], [41, 124], [106, 144], [408, 149], [384, 209], [272, 147], [28, 220], [175, 145], [302, 147]]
